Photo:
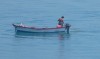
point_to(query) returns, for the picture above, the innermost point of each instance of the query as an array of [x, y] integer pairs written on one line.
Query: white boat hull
[[39, 30]]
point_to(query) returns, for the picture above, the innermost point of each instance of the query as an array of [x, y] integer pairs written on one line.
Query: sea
[[83, 41]]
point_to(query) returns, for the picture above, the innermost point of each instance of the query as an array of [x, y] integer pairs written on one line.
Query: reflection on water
[[62, 46], [63, 40], [61, 35]]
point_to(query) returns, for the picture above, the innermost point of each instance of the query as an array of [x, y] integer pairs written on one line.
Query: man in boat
[[61, 21]]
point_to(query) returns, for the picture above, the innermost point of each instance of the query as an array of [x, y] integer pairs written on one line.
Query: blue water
[[83, 42]]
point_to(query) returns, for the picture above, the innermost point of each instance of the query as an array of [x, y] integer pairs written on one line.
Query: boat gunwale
[[35, 27]]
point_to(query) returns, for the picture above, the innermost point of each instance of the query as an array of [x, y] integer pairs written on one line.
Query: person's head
[[62, 17]]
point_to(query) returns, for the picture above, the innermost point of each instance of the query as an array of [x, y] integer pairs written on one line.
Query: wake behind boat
[[23, 28]]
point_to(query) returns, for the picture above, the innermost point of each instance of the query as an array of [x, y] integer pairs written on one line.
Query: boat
[[31, 29]]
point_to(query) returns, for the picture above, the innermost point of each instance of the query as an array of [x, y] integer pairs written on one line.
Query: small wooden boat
[[23, 28]]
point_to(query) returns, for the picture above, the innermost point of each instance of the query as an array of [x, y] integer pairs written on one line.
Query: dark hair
[[62, 17]]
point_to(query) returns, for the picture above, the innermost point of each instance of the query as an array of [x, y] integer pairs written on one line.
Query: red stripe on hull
[[36, 28]]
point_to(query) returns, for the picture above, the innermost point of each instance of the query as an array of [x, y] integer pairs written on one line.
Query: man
[[61, 21]]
